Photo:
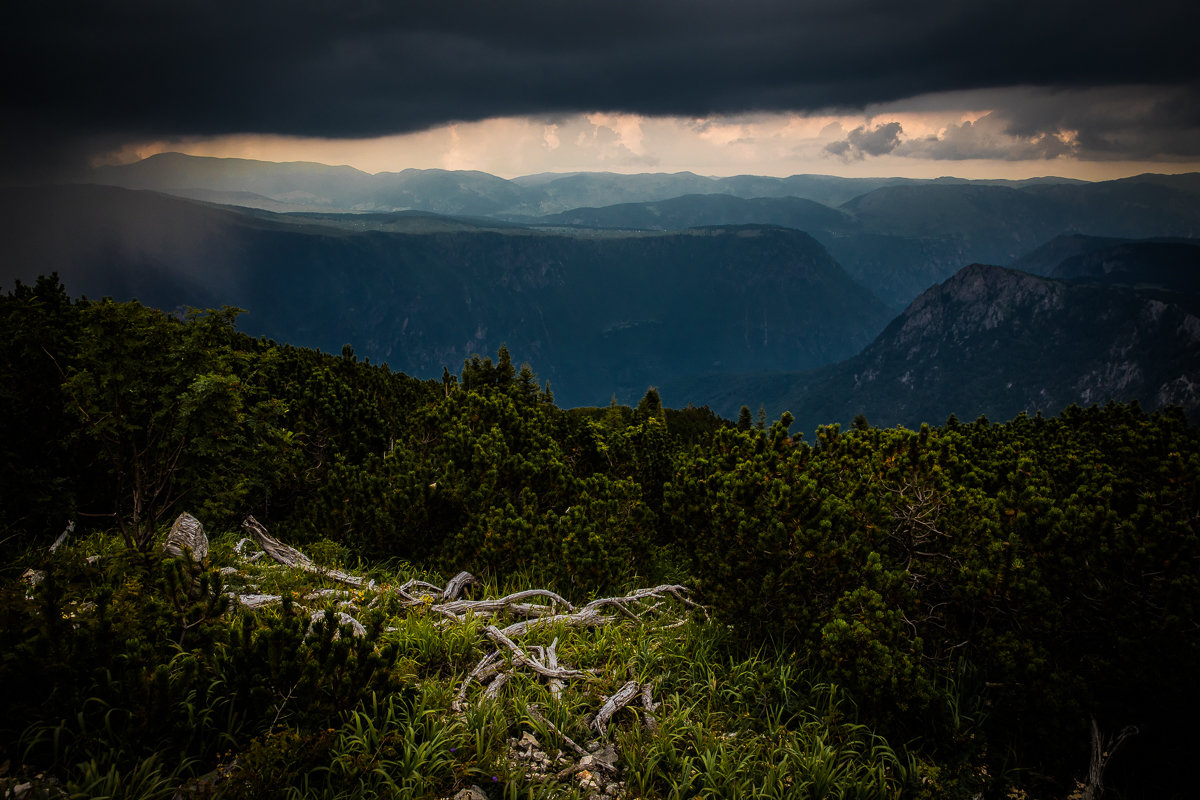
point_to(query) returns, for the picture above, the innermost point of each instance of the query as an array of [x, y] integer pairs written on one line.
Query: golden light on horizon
[[762, 144]]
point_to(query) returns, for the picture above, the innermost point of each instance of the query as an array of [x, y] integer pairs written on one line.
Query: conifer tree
[[613, 418], [650, 407], [159, 398]]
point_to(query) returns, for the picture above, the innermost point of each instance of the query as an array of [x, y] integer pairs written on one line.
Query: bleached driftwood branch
[[62, 537], [612, 705], [291, 557], [536, 714], [521, 658], [535, 608], [342, 618]]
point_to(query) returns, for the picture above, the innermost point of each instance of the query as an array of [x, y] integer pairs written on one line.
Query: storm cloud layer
[[82, 77]]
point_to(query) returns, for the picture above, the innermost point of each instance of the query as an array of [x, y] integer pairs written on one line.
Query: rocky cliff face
[[996, 341], [978, 298]]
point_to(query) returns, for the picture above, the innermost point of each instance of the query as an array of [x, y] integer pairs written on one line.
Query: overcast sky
[[974, 88]]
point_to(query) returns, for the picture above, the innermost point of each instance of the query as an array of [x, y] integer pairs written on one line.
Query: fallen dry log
[[253, 601], [291, 557], [458, 584]]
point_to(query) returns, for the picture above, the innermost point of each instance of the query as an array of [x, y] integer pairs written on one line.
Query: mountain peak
[[977, 296]]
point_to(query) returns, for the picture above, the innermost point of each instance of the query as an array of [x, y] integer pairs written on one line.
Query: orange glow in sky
[[760, 144]]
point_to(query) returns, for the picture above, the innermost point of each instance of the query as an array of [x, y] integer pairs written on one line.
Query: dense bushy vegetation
[[941, 612]]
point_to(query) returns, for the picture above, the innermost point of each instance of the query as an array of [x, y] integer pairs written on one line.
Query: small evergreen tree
[[614, 419], [159, 399], [650, 407]]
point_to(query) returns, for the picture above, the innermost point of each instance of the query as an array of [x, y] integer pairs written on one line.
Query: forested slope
[[929, 613]]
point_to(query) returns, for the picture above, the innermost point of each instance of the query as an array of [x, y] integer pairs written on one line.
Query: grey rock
[[187, 534]]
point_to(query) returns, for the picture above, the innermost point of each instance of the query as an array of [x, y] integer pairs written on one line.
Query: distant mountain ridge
[[322, 187], [900, 239], [745, 279], [594, 314], [897, 236]]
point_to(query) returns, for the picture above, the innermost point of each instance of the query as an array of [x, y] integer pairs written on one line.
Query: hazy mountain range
[[726, 291], [897, 236], [595, 315], [309, 186]]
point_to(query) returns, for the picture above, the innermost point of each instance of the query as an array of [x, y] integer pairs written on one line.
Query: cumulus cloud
[[1127, 123], [991, 137], [862, 142]]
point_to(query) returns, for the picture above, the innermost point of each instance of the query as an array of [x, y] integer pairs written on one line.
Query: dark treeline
[[983, 591]]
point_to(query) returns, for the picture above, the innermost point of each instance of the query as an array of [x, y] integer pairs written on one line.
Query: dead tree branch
[[291, 557], [622, 698]]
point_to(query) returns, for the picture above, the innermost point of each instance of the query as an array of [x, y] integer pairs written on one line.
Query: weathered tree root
[[499, 666], [536, 713]]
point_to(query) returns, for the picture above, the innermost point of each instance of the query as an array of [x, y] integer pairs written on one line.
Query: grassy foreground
[[140, 676]]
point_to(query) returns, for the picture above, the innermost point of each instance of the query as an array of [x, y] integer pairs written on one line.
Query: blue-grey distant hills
[[900, 239], [310, 186], [318, 187], [596, 314], [897, 236], [726, 291]]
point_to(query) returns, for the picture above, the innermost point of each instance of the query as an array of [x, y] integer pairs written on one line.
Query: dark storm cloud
[[1148, 122], [79, 74]]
